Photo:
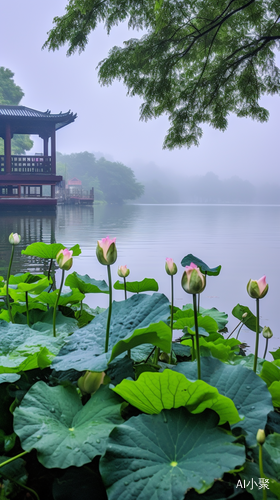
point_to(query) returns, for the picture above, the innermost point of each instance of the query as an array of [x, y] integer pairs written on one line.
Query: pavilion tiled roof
[[22, 114]]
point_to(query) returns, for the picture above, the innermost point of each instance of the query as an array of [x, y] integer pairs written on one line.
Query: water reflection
[[32, 227], [245, 240]]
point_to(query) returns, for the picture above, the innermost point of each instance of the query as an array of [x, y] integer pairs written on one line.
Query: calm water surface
[[245, 240]]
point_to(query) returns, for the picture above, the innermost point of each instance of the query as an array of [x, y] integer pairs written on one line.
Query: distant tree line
[[113, 182], [161, 187]]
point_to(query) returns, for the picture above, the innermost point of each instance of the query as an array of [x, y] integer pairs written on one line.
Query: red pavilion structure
[[29, 179]]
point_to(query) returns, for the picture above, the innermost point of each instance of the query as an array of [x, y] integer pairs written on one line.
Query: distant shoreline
[[206, 204]]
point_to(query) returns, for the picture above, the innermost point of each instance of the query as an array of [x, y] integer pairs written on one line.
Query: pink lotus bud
[[106, 251], [123, 272], [193, 281], [14, 239], [257, 289], [170, 267], [64, 259]]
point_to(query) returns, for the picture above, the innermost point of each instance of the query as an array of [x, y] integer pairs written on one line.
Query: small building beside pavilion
[[30, 179]]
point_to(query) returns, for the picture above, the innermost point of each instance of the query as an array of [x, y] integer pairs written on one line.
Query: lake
[[245, 240]]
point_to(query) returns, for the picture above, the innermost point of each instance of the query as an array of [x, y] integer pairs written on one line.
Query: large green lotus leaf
[[37, 287], [221, 318], [25, 278], [274, 390], [48, 250], [158, 334], [206, 322], [249, 321], [16, 363], [85, 349], [86, 284], [275, 354], [270, 373], [19, 342], [182, 352], [161, 456], [154, 392], [221, 348], [64, 325], [211, 271], [146, 285], [246, 389], [19, 295], [63, 431], [65, 298], [247, 361], [22, 308], [9, 378]]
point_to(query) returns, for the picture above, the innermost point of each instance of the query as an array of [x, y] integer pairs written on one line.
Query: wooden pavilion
[[29, 179]]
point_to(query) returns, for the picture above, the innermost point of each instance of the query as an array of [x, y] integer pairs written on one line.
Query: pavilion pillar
[[46, 145], [53, 152], [8, 149], [52, 191]]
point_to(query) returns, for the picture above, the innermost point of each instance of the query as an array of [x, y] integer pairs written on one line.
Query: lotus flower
[[123, 272], [14, 238], [257, 289], [64, 259], [193, 281], [170, 267], [106, 251]]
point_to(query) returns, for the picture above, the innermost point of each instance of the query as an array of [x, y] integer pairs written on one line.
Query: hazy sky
[[108, 120]]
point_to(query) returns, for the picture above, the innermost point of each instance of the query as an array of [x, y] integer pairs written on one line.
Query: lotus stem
[[197, 338], [125, 298], [171, 319], [239, 331], [56, 302], [261, 467], [156, 355], [266, 346], [151, 353], [50, 268], [110, 309], [234, 329], [14, 458], [257, 334], [193, 349], [124, 284], [27, 310], [8, 278]]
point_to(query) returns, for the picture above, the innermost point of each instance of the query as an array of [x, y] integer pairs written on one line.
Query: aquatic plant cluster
[[106, 403]]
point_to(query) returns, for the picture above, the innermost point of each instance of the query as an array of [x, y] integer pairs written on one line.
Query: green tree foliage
[[112, 181], [197, 62], [11, 94]]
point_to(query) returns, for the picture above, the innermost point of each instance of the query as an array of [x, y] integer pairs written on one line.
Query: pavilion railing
[[27, 164]]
